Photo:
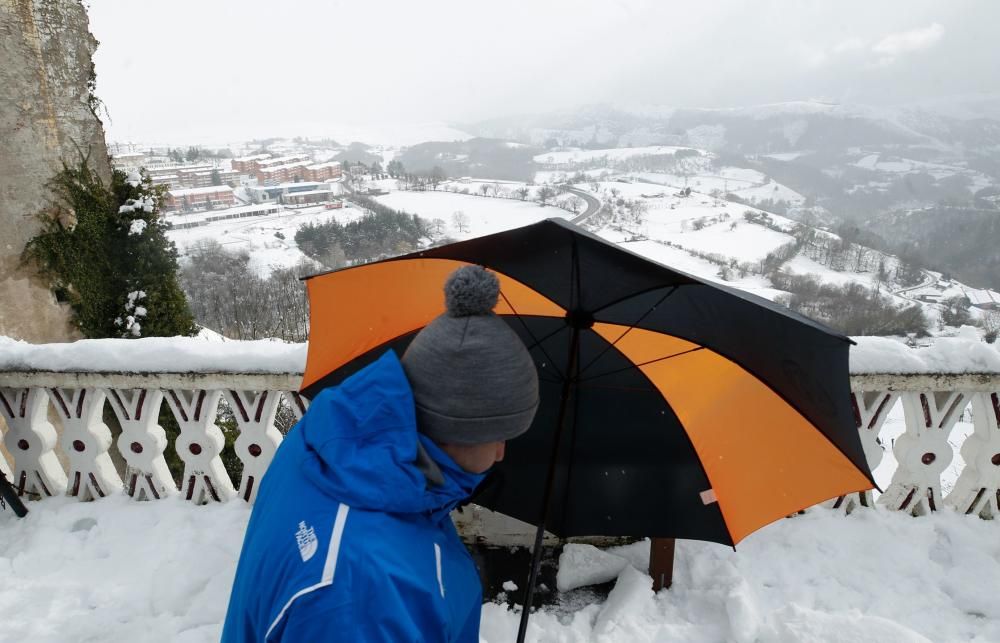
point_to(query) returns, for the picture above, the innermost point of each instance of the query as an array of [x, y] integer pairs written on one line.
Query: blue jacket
[[348, 541]]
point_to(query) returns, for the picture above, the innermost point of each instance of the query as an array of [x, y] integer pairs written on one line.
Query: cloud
[[895, 45], [813, 56], [848, 46]]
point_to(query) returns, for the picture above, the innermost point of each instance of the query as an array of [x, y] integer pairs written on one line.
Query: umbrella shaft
[[536, 557], [10, 497]]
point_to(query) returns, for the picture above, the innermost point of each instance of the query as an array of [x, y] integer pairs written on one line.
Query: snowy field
[[256, 235], [611, 154], [744, 183], [561, 176], [723, 232], [685, 262], [898, 165], [484, 215]]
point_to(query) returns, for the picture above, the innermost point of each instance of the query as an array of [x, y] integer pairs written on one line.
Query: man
[[350, 538]]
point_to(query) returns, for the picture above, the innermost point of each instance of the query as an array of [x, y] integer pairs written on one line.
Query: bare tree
[[460, 220], [991, 326], [545, 194], [228, 296], [522, 192], [437, 175], [484, 188]]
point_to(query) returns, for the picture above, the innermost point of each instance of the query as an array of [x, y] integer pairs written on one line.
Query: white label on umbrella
[[708, 497]]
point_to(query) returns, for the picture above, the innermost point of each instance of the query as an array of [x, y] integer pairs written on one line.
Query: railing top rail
[[152, 380], [957, 362], [290, 381]]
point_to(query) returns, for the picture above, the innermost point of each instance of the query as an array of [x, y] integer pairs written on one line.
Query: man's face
[[476, 458]]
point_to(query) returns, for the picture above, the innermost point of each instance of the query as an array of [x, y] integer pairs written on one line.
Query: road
[[593, 204], [930, 280]]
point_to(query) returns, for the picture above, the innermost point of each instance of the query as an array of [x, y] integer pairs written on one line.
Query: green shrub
[[105, 251]]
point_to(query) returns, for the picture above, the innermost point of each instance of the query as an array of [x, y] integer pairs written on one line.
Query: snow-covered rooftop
[[310, 193], [980, 297], [212, 189], [288, 166]]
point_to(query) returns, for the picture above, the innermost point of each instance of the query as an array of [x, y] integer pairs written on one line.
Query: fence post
[[661, 562]]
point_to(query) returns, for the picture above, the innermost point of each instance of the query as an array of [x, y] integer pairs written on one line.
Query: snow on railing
[[71, 384]]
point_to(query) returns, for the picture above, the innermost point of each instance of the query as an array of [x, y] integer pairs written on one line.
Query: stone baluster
[[85, 441], [871, 408], [142, 442], [977, 490], [298, 403], [199, 445], [923, 451], [30, 439], [258, 439]]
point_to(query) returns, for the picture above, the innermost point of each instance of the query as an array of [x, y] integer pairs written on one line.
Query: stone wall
[[46, 51]]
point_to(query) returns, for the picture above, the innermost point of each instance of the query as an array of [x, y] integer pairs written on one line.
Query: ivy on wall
[[104, 250]]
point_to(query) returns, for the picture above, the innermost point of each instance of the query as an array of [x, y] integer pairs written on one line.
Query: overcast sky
[[217, 70]]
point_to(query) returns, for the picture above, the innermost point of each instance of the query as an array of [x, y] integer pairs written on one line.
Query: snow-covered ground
[[744, 183], [612, 154], [481, 215], [257, 235], [561, 176], [898, 165], [116, 570]]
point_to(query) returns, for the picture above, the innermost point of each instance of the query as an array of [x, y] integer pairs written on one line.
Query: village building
[[216, 196]]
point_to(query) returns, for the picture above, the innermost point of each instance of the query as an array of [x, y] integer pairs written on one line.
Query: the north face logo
[[305, 538]]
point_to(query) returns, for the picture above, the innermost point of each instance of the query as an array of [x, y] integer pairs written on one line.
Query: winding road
[[593, 204]]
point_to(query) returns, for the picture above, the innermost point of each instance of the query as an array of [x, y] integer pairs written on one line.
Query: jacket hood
[[363, 436]]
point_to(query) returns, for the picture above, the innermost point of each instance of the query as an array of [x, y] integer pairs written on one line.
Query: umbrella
[[670, 406]]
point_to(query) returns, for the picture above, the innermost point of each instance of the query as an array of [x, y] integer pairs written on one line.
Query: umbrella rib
[[533, 338], [609, 387], [628, 330], [636, 294], [652, 361], [547, 336]]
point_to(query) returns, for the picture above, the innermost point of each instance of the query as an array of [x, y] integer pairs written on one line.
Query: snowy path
[[121, 571]]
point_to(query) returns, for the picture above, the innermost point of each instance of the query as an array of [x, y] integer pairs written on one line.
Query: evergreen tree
[[114, 264], [395, 169]]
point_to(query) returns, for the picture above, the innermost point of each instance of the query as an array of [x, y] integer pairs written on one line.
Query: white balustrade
[[258, 440], [923, 451], [977, 490], [871, 408], [142, 442], [199, 445], [85, 441], [932, 404], [30, 439]]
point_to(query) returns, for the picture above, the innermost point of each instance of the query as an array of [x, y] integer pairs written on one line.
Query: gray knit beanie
[[473, 380]]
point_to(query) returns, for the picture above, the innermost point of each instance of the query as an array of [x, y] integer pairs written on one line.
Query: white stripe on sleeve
[[329, 567], [437, 560]]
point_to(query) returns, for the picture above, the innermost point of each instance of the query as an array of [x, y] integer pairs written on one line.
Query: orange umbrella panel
[[357, 310]]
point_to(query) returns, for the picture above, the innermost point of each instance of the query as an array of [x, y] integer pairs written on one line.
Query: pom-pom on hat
[[473, 380]]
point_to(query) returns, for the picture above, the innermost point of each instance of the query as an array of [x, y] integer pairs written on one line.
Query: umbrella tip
[[471, 290]]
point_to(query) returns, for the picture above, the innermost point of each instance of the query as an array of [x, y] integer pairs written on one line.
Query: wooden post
[[661, 562]]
